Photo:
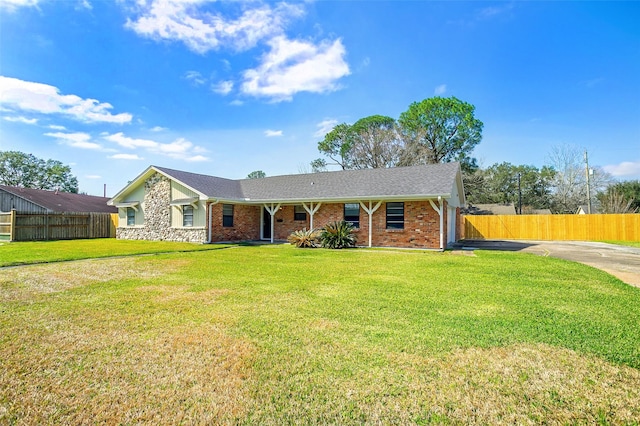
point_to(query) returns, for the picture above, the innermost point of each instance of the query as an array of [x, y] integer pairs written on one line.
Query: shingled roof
[[58, 201], [390, 183]]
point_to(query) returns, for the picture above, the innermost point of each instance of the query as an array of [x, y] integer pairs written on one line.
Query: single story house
[[29, 200], [417, 206]]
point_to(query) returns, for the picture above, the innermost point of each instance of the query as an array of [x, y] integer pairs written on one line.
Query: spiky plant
[[337, 235], [304, 238]]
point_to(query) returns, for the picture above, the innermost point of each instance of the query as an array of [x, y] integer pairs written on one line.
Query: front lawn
[[278, 335], [22, 253]]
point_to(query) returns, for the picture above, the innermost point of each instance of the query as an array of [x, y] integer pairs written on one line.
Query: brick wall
[[246, 223], [421, 225]]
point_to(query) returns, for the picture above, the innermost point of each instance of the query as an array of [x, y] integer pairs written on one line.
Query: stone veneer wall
[[157, 217]]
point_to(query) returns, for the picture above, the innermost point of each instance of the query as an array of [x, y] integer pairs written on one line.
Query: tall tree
[[375, 143], [337, 145], [258, 174], [28, 171], [438, 130]]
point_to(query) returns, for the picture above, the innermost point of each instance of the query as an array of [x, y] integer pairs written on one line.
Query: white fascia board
[[286, 201], [133, 184]]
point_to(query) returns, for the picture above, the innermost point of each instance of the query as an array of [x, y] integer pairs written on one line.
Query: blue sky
[[226, 88]]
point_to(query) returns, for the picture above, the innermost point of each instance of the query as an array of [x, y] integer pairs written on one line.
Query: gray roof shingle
[[415, 181]]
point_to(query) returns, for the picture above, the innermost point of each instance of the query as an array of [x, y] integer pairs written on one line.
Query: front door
[[266, 224]]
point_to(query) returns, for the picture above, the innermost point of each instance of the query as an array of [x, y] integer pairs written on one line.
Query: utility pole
[[586, 161], [519, 195]]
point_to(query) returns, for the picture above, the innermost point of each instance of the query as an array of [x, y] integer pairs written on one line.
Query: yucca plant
[[304, 238], [337, 235]]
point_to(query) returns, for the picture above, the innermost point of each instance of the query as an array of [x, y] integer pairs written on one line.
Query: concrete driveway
[[619, 261]]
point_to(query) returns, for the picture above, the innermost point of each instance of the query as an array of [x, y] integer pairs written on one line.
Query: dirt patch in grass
[[76, 376], [518, 384], [26, 282]]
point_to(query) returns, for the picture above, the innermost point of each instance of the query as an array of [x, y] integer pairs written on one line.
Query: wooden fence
[[577, 227], [16, 226]]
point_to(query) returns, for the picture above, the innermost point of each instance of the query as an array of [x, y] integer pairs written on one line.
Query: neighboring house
[[28, 200], [490, 209], [584, 209], [416, 206]]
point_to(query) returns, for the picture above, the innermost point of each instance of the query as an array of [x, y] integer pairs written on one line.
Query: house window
[[352, 214], [227, 215], [187, 215], [131, 216], [395, 215], [299, 213]]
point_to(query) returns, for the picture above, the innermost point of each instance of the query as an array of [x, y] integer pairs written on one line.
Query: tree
[[318, 165], [570, 179], [438, 130], [499, 184], [28, 171], [375, 143], [622, 197], [337, 145], [258, 174]]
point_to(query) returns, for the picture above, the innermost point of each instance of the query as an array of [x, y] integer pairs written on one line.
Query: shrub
[[337, 235], [304, 238]]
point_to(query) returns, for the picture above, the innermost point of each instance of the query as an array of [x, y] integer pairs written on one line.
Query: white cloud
[[130, 143], [181, 148], [126, 157], [22, 120], [222, 87], [57, 127], [324, 127], [202, 30], [26, 96], [93, 176], [440, 90], [85, 4], [12, 5], [293, 66], [196, 158], [75, 140], [236, 102], [491, 11], [195, 77], [272, 133], [158, 129], [626, 168]]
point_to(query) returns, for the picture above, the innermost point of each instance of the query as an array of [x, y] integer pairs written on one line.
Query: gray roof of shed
[[415, 181], [58, 201]]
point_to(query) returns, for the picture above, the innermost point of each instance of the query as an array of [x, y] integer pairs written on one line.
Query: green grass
[[278, 335], [625, 243], [22, 253]]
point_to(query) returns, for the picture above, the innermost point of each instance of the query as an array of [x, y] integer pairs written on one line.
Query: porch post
[[370, 212], [440, 212], [311, 210], [272, 212]]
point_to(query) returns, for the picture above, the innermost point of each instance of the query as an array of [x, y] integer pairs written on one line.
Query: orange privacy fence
[[579, 227]]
